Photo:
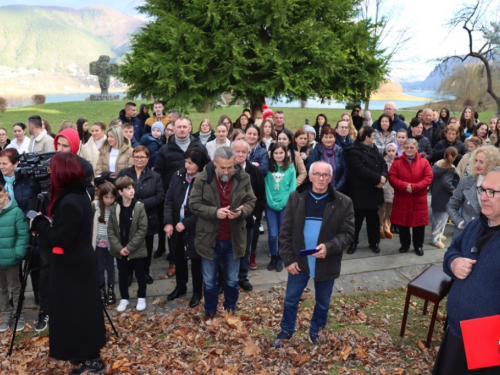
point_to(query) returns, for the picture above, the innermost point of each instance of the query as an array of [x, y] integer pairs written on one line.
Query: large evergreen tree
[[192, 51]]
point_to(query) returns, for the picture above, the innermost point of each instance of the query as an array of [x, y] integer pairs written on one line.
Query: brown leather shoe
[[171, 270], [382, 234], [388, 235]]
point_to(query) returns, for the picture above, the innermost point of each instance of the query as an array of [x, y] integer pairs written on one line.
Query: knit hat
[[159, 125], [310, 129], [389, 145], [367, 114], [72, 136], [267, 112]]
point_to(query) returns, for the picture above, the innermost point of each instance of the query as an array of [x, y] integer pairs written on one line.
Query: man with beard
[[222, 198]]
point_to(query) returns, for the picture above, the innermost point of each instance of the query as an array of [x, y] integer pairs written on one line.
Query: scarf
[[183, 143], [9, 185], [189, 177], [329, 156]]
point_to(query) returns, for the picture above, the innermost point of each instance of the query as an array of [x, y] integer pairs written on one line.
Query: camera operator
[[66, 141], [77, 331]]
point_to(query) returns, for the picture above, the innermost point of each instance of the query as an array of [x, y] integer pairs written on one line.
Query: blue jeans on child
[[274, 220], [223, 250], [294, 289]]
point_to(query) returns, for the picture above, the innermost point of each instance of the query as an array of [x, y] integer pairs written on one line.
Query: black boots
[[178, 291], [111, 294], [90, 366], [352, 248], [104, 298]]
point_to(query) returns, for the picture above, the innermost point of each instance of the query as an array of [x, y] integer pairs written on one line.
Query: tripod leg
[[19, 308], [110, 321]]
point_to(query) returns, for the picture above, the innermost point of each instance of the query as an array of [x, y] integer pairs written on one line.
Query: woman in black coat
[[452, 135], [148, 191], [180, 225], [77, 330], [365, 180]]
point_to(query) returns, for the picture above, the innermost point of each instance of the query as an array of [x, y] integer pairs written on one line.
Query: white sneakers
[[141, 304], [123, 305]]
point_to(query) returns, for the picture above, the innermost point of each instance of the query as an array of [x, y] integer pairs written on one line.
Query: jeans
[[439, 220], [137, 265], [223, 250], [245, 261], [274, 220], [294, 289], [105, 261]]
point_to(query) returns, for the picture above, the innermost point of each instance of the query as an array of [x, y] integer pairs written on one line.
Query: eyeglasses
[[490, 193], [322, 175], [140, 157], [343, 127]]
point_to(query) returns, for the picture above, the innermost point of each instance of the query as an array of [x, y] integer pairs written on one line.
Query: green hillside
[[56, 39]]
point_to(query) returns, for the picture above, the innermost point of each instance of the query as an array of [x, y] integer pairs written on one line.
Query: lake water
[[374, 104], [311, 103]]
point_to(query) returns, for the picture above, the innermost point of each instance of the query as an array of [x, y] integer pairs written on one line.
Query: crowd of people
[[205, 191]]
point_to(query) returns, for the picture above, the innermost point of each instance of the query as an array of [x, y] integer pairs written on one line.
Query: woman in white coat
[[220, 141], [90, 150]]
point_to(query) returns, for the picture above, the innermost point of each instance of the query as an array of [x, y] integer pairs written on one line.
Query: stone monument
[[103, 70]]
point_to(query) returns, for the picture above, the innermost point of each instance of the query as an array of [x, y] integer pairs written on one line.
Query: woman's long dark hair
[[66, 170], [446, 118], [84, 136]]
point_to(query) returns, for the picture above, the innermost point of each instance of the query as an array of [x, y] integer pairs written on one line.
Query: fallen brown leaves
[[181, 342]]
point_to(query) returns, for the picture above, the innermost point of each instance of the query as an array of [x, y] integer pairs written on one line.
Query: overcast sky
[[426, 20]]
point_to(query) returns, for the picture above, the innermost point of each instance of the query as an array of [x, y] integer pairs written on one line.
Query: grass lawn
[[362, 337]]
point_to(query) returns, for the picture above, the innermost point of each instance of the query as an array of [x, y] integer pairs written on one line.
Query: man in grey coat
[[316, 217]]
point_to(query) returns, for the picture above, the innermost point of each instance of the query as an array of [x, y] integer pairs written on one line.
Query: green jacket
[[137, 235], [14, 235], [204, 202]]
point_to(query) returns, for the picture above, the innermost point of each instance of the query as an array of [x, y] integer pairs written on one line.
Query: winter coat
[[212, 146], [397, 124], [424, 146], [440, 149], [21, 148], [138, 125], [137, 234], [14, 235], [22, 192], [259, 190], [153, 145], [444, 183], [410, 209], [464, 204], [91, 152], [342, 143], [171, 158], [436, 135], [44, 144], [204, 202], [340, 168], [366, 167], [73, 281], [123, 160], [381, 141], [259, 154], [174, 200], [151, 120], [388, 189], [337, 232], [478, 294], [149, 191], [300, 168]]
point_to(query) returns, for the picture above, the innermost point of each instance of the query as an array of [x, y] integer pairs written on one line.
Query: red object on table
[[481, 337]]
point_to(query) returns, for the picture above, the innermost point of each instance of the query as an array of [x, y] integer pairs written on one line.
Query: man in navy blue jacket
[[128, 115], [473, 260], [397, 123]]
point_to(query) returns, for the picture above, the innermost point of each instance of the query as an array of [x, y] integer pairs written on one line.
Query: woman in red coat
[[410, 175]]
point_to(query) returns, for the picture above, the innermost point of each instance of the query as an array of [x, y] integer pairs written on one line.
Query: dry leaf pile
[[180, 341]]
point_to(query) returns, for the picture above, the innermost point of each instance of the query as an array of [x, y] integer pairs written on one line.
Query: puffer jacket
[[204, 202], [91, 152], [14, 236], [153, 145], [137, 234], [259, 154], [22, 191], [124, 159]]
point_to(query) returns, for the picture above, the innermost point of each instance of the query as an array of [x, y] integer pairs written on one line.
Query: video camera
[[34, 165]]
